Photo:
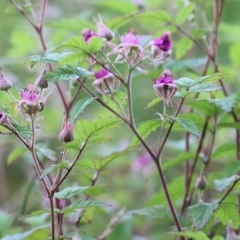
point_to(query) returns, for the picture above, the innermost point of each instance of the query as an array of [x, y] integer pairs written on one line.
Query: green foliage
[[188, 125], [193, 235], [15, 154], [182, 47], [184, 13], [83, 236], [21, 130], [222, 184], [201, 213], [67, 73], [60, 165], [92, 131], [228, 213], [79, 107], [159, 15], [38, 233], [145, 129], [82, 205]]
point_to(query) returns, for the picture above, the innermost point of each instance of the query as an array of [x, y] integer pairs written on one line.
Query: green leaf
[[103, 162], [228, 149], [67, 73], [192, 235], [117, 22], [51, 58], [184, 13], [218, 238], [92, 131], [222, 184], [209, 78], [234, 54], [189, 125], [15, 154], [228, 213], [36, 213], [78, 108], [185, 82], [69, 192], [47, 152], [38, 233], [201, 213], [83, 204], [60, 165], [183, 46], [227, 103], [145, 129], [159, 15], [96, 190], [156, 212], [183, 64], [21, 130], [205, 87], [83, 236], [153, 102], [93, 46]]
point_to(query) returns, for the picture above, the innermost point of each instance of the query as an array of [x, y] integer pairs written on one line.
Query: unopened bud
[[201, 182], [4, 119], [104, 31], [5, 83], [66, 134], [41, 82]]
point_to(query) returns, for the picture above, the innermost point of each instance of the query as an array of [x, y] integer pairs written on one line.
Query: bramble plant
[[118, 137]]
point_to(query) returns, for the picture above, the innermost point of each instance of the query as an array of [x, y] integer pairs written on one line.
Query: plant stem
[[50, 196]]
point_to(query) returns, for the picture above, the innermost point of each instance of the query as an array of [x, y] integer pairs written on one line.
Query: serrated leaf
[[95, 190], [156, 212], [145, 129], [184, 13], [38, 233], [222, 184], [78, 108], [153, 102], [201, 213], [227, 103], [204, 87], [192, 235], [67, 73], [51, 58], [83, 204], [36, 213], [49, 153], [93, 46], [60, 165], [102, 162], [69, 192], [228, 213], [15, 154], [117, 22], [183, 46], [157, 15], [209, 78], [21, 130], [183, 64], [93, 131], [189, 125], [185, 82]]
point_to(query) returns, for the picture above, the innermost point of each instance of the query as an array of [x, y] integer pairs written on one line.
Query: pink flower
[[66, 134], [104, 31], [165, 86], [88, 34], [104, 79], [31, 100], [129, 43], [161, 47], [5, 83]]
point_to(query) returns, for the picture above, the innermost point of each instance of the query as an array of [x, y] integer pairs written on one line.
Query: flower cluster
[[131, 51]]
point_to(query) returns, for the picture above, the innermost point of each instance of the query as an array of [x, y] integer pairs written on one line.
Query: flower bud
[[41, 82], [66, 134], [201, 182], [4, 119], [5, 83], [104, 31]]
